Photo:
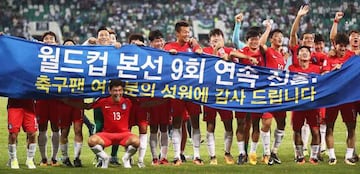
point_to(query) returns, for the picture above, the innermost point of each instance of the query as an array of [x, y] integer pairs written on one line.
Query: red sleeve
[[99, 102], [195, 47], [294, 50], [292, 68], [168, 46]]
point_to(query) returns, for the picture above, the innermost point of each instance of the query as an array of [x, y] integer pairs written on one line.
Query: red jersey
[[274, 59], [21, 103], [116, 114], [210, 50], [181, 48], [311, 69], [331, 62], [349, 54], [317, 58], [257, 54]]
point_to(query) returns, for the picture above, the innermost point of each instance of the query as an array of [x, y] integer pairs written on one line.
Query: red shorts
[[322, 115], [46, 110], [114, 138], [347, 113], [312, 118], [18, 117], [279, 114], [68, 114], [210, 114], [357, 106], [179, 107], [160, 114], [245, 114], [138, 115]]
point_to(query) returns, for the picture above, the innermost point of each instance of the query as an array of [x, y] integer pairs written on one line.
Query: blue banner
[[35, 70]]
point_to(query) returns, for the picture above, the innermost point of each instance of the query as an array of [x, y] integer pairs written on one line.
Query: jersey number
[[117, 115]]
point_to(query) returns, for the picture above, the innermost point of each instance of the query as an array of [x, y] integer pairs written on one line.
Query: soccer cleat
[[356, 158], [14, 164], [30, 164], [177, 162], [252, 158], [229, 158], [275, 157], [77, 162], [43, 162], [198, 161], [266, 159], [164, 161], [114, 161], [213, 160], [314, 161], [300, 160], [350, 161], [155, 162], [141, 165], [332, 161], [66, 162], [54, 163], [126, 162], [241, 159]]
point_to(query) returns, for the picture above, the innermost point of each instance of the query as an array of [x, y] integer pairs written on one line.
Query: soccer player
[[139, 115], [274, 59], [341, 41], [45, 113], [159, 115], [311, 116], [251, 54], [307, 39], [185, 43], [116, 113], [21, 113], [70, 115], [217, 48], [104, 38]]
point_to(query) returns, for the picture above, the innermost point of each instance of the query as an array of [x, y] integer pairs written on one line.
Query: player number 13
[[117, 115]]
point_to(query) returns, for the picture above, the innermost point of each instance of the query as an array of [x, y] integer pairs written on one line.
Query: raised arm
[[295, 27], [338, 16], [265, 35], [237, 32]]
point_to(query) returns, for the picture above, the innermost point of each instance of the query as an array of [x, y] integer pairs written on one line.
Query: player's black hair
[[155, 34], [116, 82], [341, 38]]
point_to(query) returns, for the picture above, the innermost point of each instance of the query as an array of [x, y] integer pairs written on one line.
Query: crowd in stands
[[80, 19]]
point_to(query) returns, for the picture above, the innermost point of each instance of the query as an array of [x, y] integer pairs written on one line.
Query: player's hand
[[267, 23], [117, 44], [1, 33], [173, 51], [225, 57], [339, 15], [92, 40], [239, 17], [303, 10], [138, 43], [253, 60], [199, 51]]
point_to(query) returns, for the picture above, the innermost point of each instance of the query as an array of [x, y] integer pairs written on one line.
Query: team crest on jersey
[[123, 106]]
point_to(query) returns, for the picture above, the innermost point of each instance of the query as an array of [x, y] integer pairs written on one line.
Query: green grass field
[[285, 152]]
